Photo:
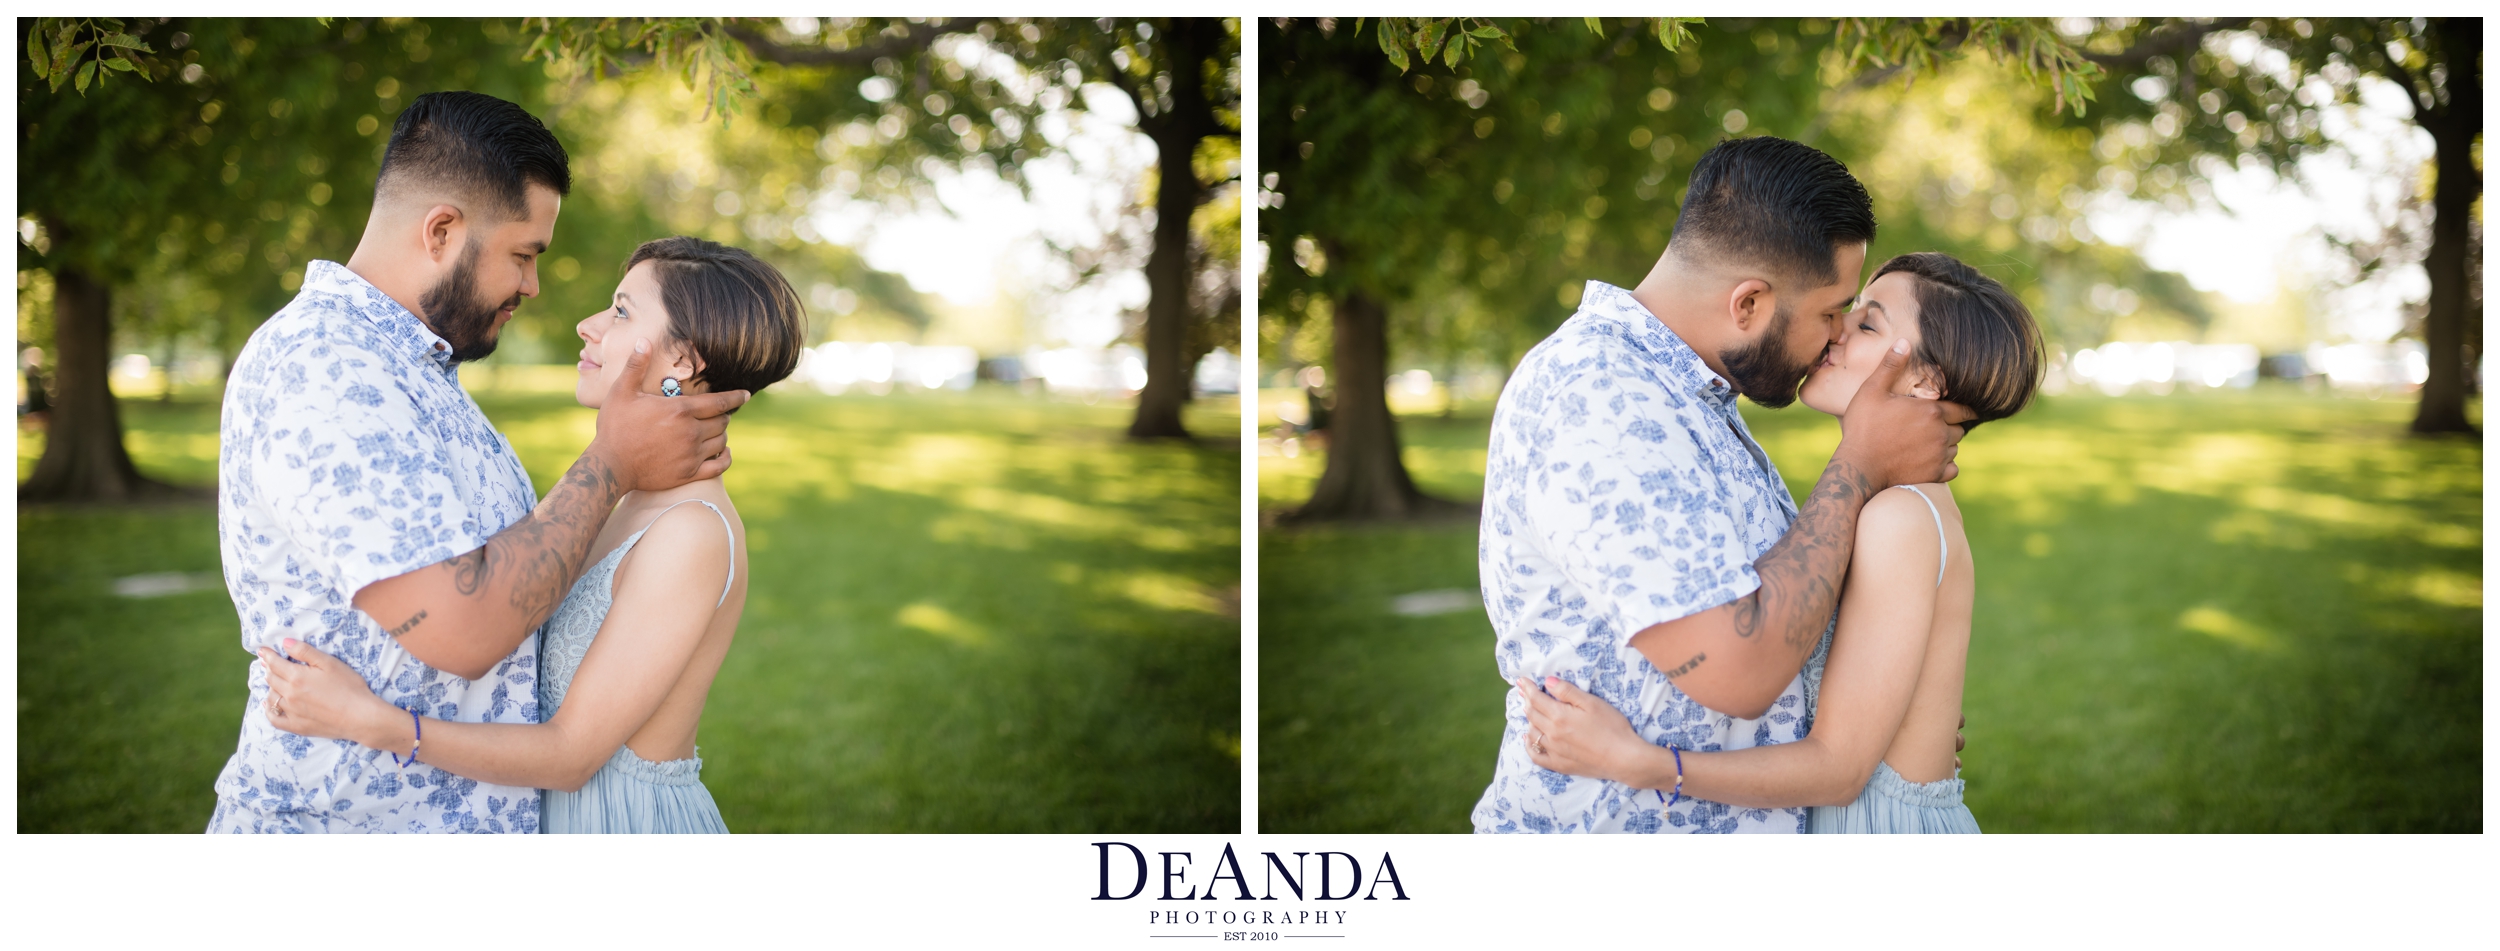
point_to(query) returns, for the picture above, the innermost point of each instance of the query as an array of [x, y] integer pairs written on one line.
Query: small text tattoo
[[1687, 666], [409, 625]]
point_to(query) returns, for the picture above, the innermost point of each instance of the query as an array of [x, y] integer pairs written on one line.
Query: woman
[[1880, 757], [626, 661]]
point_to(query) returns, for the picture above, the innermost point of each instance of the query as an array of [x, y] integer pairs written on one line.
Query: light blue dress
[[1890, 804], [629, 794]]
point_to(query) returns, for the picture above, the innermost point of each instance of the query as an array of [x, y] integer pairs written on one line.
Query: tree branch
[[917, 37], [2164, 41]]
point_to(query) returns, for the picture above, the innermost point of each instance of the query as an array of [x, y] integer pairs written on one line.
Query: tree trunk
[[2454, 128], [1365, 479], [1177, 192], [83, 459]]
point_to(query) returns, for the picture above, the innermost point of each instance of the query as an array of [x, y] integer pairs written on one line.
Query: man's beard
[[453, 310], [1762, 371]]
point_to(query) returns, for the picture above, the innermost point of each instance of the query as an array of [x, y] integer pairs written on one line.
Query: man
[[1637, 542], [367, 508]]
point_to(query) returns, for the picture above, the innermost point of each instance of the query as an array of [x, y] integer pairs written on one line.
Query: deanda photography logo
[[1280, 895]]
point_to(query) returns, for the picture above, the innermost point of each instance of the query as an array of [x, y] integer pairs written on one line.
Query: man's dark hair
[[1976, 334], [474, 146], [1774, 203], [741, 316]]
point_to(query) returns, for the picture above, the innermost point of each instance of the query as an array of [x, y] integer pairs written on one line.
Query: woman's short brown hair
[[741, 316], [1977, 335]]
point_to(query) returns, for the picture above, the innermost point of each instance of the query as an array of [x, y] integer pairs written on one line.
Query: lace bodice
[[566, 639]]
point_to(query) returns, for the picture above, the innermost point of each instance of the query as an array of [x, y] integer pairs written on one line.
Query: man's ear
[[1749, 301], [443, 226]]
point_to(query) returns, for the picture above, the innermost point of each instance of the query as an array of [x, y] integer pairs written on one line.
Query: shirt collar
[[386, 314], [1676, 360]]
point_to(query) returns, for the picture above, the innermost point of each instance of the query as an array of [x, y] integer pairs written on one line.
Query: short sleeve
[[1627, 509], [356, 475]]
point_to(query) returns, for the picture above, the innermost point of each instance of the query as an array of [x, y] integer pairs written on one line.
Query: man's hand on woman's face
[[1900, 440], [1572, 731], [661, 442]]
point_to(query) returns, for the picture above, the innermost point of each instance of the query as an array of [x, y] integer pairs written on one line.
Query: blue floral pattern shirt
[[1623, 490], [349, 453]]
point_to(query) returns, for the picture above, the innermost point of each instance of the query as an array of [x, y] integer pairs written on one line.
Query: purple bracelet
[[1679, 778], [420, 744], [1677, 750]]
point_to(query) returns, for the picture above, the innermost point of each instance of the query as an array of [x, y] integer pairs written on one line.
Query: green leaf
[[1429, 41], [1457, 51], [1593, 25], [120, 64], [36, 54], [85, 73], [125, 41]]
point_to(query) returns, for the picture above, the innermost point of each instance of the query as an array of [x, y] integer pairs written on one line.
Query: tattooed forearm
[[1687, 666], [544, 553], [531, 564], [470, 572], [590, 472], [1801, 574], [408, 625]]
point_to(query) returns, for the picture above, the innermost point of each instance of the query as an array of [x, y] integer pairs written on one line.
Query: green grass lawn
[[2252, 611], [972, 612]]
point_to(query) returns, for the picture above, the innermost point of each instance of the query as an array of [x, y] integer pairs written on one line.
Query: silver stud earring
[[668, 387]]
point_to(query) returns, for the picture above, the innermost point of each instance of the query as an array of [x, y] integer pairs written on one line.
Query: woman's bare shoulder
[[1897, 534], [685, 549]]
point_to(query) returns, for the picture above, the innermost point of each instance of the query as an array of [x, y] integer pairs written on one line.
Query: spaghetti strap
[[1941, 551], [724, 524]]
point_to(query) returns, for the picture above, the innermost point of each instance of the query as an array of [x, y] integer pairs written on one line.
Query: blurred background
[[2230, 562], [994, 514]]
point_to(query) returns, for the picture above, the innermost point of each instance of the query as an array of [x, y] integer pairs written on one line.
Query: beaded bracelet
[[420, 744], [1679, 778], [1679, 773]]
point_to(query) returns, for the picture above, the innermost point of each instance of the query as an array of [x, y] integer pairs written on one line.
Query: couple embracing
[[441, 650], [1690, 649]]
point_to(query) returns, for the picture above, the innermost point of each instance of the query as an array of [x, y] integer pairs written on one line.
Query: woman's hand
[[319, 696], [1572, 731]]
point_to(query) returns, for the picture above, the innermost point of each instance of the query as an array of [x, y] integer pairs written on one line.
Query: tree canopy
[[1468, 195], [188, 186]]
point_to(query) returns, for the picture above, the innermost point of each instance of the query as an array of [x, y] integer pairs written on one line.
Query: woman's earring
[[668, 387]]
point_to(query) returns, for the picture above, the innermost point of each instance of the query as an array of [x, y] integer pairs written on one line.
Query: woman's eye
[[1869, 328]]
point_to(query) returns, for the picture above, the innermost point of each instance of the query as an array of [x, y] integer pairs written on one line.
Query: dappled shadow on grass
[[969, 612], [2234, 612]]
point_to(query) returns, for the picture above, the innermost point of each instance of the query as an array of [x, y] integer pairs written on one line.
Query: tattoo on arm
[[539, 556], [409, 625], [549, 547], [1801, 574], [471, 572], [1687, 666]]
